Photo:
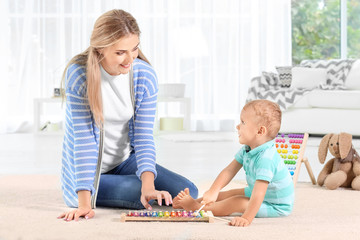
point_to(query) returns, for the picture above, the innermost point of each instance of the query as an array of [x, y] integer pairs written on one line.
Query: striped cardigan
[[82, 145]]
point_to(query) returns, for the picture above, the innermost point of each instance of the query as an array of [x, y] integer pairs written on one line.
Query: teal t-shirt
[[264, 163]]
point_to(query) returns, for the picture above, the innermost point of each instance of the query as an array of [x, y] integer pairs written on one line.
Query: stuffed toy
[[344, 169]]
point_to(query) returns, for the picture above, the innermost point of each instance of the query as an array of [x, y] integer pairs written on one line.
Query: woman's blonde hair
[[108, 29]]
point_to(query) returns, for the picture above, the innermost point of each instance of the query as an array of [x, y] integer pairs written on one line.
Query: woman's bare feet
[[175, 203], [186, 202]]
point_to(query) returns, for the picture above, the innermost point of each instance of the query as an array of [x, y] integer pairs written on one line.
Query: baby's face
[[247, 128]]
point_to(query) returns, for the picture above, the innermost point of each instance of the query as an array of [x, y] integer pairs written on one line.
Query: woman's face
[[119, 57]]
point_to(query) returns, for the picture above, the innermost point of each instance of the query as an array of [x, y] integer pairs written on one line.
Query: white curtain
[[213, 46]]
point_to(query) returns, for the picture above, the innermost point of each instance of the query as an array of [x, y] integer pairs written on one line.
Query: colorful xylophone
[[160, 216], [291, 148]]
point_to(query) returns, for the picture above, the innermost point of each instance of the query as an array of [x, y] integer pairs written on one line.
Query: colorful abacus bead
[[178, 213], [129, 214], [202, 213], [172, 214], [154, 214], [184, 213], [142, 214], [136, 214], [166, 214], [190, 213], [161, 214]]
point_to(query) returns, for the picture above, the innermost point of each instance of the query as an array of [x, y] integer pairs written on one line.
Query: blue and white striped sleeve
[[85, 147], [144, 122]]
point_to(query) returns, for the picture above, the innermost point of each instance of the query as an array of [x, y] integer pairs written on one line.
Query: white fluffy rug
[[29, 205]]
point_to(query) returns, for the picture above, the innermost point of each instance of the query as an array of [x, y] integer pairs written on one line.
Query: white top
[[117, 110]]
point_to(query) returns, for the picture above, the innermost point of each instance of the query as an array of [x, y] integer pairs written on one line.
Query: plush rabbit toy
[[344, 169]]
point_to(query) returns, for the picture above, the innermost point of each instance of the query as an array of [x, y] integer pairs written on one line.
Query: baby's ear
[[262, 130]]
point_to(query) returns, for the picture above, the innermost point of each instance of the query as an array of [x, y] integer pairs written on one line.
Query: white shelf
[[38, 111]]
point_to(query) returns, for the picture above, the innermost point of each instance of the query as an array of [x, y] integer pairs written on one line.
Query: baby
[[270, 190]]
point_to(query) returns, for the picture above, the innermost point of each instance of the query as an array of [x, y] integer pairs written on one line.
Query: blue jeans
[[121, 188]]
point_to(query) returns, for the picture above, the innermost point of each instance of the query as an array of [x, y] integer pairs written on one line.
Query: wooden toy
[[179, 216], [197, 211], [291, 148]]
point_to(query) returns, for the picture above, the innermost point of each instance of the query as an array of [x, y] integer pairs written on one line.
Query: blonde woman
[[108, 151]]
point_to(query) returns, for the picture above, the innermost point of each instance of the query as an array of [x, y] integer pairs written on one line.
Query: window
[[353, 28], [321, 30], [213, 46]]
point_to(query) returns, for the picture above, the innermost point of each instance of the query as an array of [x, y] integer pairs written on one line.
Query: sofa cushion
[[307, 78], [345, 99], [353, 79], [303, 102], [321, 121]]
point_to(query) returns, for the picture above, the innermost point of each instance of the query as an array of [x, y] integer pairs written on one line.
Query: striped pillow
[[285, 76]]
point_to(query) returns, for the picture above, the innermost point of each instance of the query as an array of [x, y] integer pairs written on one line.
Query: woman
[[108, 151]]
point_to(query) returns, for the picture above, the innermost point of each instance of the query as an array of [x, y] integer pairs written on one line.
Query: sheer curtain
[[213, 46]]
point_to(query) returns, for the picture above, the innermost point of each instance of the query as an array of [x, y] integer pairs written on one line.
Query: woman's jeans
[[121, 187]]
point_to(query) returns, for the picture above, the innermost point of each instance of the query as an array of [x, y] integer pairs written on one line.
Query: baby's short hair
[[269, 115]]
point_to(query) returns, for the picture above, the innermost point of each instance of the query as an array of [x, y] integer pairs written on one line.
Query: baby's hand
[[239, 222], [209, 197]]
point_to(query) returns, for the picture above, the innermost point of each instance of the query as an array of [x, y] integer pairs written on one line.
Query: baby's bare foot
[[188, 203], [176, 199]]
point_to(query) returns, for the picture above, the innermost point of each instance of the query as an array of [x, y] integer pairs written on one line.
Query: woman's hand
[[239, 222], [148, 194], [84, 209], [209, 197], [75, 214]]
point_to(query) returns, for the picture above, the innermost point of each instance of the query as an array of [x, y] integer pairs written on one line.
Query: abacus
[[160, 216], [291, 148]]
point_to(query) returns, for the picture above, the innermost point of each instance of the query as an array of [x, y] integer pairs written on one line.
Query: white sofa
[[327, 111]]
